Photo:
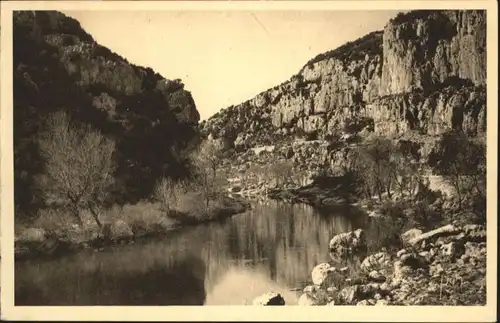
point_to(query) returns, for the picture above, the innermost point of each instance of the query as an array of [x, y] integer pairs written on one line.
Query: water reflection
[[272, 247]]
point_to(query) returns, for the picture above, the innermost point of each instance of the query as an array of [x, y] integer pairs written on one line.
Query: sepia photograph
[[248, 154]]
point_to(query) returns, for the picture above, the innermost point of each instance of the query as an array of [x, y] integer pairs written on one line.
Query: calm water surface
[[272, 247]]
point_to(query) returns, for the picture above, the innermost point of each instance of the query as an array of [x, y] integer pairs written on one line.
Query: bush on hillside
[[462, 161]]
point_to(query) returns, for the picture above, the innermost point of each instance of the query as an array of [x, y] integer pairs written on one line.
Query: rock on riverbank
[[446, 266]]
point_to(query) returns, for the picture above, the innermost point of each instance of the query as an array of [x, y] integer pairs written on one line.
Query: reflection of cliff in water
[[271, 247], [283, 241]]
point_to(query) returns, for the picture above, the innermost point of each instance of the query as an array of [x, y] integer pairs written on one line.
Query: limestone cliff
[[424, 49], [424, 73]]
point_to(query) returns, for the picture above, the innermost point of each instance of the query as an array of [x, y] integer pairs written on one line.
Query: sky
[[226, 57]]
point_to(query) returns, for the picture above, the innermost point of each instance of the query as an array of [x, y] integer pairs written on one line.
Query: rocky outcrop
[[451, 108], [446, 270], [424, 49], [424, 73], [328, 91]]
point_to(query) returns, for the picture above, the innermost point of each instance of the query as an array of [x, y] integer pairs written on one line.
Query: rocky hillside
[[424, 74], [58, 66]]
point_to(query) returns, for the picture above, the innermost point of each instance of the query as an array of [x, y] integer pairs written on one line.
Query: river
[[272, 247]]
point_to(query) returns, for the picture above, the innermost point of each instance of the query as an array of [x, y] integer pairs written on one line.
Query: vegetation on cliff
[[370, 44]]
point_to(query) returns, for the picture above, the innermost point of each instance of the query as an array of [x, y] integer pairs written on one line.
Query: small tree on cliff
[[78, 166]]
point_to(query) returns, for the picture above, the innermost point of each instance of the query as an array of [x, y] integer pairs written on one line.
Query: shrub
[[143, 218], [168, 192], [370, 44], [463, 162], [382, 168], [281, 173]]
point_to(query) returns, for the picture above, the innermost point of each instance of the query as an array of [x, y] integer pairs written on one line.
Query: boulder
[[442, 231], [410, 234], [363, 303], [307, 300], [349, 294], [401, 253], [348, 241], [376, 276], [385, 288], [382, 302], [376, 261], [321, 272], [270, 298]]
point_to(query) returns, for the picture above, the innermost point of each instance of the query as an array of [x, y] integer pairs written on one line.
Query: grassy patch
[[56, 231], [191, 208], [144, 218]]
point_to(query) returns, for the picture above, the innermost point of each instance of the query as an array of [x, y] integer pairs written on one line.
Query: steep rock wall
[[423, 49], [424, 73]]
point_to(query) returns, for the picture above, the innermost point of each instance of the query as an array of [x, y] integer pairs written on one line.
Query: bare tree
[[382, 167], [206, 161], [405, 173], [168, 192], [78, 165], [373, 166]]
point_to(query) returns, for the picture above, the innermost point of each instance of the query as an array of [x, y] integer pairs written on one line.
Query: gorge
[[365, 133]]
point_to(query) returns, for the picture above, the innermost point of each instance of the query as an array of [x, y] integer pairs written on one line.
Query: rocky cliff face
[[424, 73], [424, 49], [57, 65]]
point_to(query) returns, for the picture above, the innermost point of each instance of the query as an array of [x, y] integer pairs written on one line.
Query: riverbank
[[444, 266], [55, 233], [430, 252], [320, 192]]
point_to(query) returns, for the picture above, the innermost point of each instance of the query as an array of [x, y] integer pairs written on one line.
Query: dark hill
[[58, 66]]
